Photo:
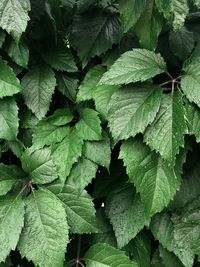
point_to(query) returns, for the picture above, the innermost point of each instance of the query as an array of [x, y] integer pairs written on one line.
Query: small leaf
[[39, 165], [193, 120], [19, 53], [134, 66], [67, 86], [38, 86], [45, 234], [168, 258]]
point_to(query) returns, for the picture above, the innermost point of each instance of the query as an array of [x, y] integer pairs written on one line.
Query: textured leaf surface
[[79, 208], [94, 34], [66, 153], [126, 214], [89, 125], [14, 16], [131, 109], [38, 86], [105, 255], [134, 66], [11, 223], [19, 53], [61, 59], [45, 234], [9, 84], [67, 86], [169, 259], [193, 119], [9, 176], [130, 11], [9, 121], [39, 165], [166, 133], [149, 26], [154, 179], [82, 173]]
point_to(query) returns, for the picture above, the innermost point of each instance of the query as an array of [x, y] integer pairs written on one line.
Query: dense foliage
[[99, 133]]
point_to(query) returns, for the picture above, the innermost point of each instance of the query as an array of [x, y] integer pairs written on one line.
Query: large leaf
[[11, 223], [134, 66], [9, 84], [66, 153], [149, 26], [45, 234], [131, 109], [79, 208], [9, 121], [105, 255], [39, 165], [130, 11], [10, 175], [89, 125], [154, 179], [93, 33], [38, 86], [126, 214], [14, 16], [166, 133]]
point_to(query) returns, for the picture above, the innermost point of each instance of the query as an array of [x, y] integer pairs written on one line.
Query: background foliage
[[99, 133]]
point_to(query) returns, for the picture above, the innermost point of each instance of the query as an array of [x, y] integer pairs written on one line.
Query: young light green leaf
[[87, 87], [102, 254], [9, 84], [38, 86], [131, 109], [149, 26], [39, 165], [134, 66], [14, 16], [90, 33], [156, 182], [19, 53], [9, 121], [130, 11], [11, 223], [127, 215], [66, 153], [45, 234], [82, 173], [89, 125], [79, 208], [166, 133], [10, 175], [61, 59]]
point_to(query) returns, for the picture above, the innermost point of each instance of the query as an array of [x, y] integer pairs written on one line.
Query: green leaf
[[89, 125], [39, 165], [11, 223], [82, 174], [169, 259], [166, 133], [9, 84], [60, 117], [45, 234], [154, 179], [38, 86], [79, 208], [134, 66], [156, 260], [19, 53], [105, 255], [98, 152], [190, 80], [149, 26], [197, 3], [131, 109], [9, 121], [181, 43], [93, 33], [14, 16], [67, 86], [10, 175], [66, 153], [2, 37], [193, 120], [163, 230], [126, 214], [61, 59], [87, 87], [130, 11]]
